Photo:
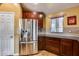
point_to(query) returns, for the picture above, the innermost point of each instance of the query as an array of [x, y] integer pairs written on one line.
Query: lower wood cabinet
[[41, 43], [75, 48], [53, 45], [66, 47], [78, 48], [59, 46]]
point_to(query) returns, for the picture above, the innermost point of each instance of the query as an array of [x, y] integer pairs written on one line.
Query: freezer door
[[31, 48]]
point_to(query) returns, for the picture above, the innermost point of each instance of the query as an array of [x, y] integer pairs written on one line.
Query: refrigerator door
[[31, 26], [35, 30]]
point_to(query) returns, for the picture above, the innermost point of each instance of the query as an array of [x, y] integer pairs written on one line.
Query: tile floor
[[45, 53]]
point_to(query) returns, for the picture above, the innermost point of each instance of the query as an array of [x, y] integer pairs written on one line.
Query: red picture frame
[[71, 20]]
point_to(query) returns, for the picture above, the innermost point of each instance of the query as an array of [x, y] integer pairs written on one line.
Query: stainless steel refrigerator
[[29, 36]]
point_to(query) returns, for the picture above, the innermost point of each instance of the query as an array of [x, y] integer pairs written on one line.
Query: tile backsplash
[[71, 30], [74, 30]]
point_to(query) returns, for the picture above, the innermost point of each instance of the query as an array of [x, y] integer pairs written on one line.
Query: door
[[31, 26], [6, 33]]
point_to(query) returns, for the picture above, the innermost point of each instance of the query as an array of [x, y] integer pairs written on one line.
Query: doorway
[[6, 33]]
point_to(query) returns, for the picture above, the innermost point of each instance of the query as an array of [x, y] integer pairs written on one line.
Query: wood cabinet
[[59, 46], [69, 47], [36, 16], [75, 48], [78, 48], [53, 45], [66, 47], [41, 43], [40, 23]]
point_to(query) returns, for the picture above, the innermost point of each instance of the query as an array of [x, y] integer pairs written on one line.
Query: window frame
[[56, 25]]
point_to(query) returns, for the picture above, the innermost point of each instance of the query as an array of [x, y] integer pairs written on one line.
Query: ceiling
[[48, 7]]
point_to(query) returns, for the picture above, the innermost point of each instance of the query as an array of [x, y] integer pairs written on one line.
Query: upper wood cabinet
[[40, 16]]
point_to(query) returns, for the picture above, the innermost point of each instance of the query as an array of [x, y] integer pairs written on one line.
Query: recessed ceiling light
[[40, 15], [34, 13]]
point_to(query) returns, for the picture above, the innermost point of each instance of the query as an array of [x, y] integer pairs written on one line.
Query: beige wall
[[18, 14], [67, 12]]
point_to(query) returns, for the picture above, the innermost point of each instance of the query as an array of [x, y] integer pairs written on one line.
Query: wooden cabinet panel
[[36, 15], [66, 47], [75, 48], [41, 43], [53, 45], [78, 48], [40, 23]]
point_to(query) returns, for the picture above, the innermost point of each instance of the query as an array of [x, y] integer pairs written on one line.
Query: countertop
[[60, 35]]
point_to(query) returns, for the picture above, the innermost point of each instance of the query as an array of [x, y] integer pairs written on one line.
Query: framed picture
[[71, 20]]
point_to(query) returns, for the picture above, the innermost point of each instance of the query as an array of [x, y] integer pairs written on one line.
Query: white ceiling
[[48, 7]]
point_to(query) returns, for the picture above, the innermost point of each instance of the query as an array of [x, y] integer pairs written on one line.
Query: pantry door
[[6, 33]]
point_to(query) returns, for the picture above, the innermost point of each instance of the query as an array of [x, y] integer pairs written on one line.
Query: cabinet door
[[40, 23], [66, 47], [78, 48], [52, 45], [41, 43], [75, 48]]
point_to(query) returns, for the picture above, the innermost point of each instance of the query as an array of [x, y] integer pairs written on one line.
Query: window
[[57, 24]]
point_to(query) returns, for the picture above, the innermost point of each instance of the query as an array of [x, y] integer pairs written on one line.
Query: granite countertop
[[60, 35]]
